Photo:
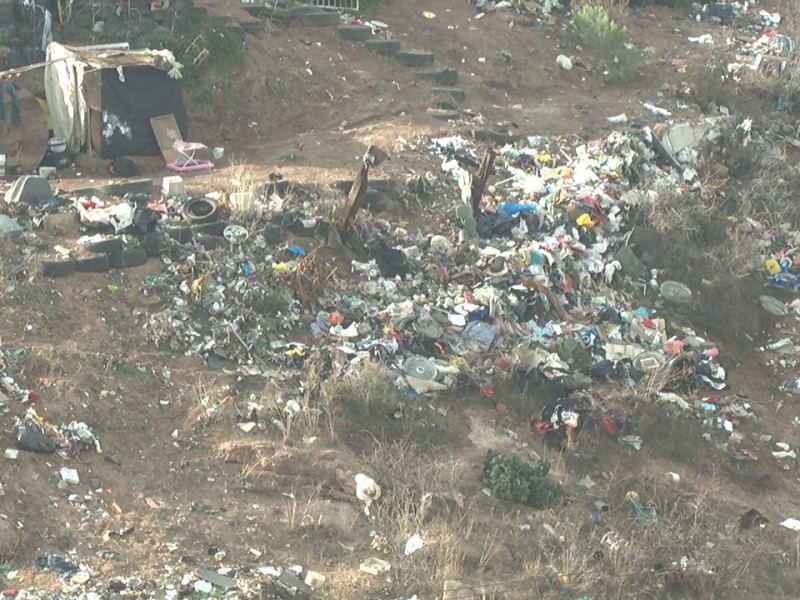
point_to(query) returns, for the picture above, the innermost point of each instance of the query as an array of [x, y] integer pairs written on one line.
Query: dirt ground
[[193, 490]]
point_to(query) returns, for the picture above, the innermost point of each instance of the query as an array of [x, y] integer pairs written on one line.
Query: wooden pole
[[354, 199], [480, 179]]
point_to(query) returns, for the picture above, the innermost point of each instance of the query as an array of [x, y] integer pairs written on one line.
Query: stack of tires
[[203, 228], [101, 256]]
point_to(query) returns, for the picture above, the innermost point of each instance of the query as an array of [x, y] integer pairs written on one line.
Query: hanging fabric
[[11, 88], [47, 30]]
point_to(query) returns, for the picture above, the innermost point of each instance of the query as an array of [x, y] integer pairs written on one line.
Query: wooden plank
[[480, 179], [167, 132], [354, 199]]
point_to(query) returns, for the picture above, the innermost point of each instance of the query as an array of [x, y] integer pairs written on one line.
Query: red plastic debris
[[608, 425], [540, 427]]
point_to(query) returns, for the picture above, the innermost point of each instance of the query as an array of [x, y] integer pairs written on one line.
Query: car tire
[[200, 210], [103, 246], [92, 263], [57, 268], [132, 257], [182, 235], [214, 228], [207, 241], [153, 244]]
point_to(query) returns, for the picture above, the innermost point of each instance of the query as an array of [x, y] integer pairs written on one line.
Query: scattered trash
[[634, 441], [564, 62], [751, 519], [773, 306], [367, 490], [675, 291], [413, 544], [375, 566], [315, 580], [793, 524], [70, 476], [58, 564], [645, 515]]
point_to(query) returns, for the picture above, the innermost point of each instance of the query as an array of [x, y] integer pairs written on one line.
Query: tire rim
[[773, 306], [675, 291], [421, 368]]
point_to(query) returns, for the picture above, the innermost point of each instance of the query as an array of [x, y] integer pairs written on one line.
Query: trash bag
[[122, 166], [32, 438], [58, 564], [391, 262]]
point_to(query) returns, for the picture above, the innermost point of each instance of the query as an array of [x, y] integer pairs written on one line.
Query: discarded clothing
[[15, 118]]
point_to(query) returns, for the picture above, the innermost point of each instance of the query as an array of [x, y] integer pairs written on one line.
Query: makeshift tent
[[102, 100]]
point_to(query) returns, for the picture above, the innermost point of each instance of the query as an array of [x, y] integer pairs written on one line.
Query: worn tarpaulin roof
[[99, 58], [104, 58]]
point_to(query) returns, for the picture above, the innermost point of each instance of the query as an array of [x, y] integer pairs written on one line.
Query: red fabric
[[608, 425], [540, 427]]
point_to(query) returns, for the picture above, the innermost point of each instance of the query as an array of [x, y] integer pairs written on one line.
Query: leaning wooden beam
[[373, 157], [354, 199], [480, 178]]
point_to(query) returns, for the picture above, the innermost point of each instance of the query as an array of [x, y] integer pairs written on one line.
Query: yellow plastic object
[[585, 220], [772, 266], [46, 110]]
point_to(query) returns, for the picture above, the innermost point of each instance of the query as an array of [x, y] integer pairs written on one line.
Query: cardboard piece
[[167, 133]]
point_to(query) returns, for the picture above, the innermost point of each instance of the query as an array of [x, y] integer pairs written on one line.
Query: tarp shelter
[[102, 101]]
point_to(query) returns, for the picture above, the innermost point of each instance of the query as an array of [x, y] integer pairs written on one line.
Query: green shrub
[[608, 40], [207, 48], [510, 478]]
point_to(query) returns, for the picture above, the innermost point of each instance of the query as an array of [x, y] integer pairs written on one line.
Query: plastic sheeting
[[63, 79]]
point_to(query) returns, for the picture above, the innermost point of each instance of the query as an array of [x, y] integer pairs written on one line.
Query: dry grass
[[746, 190], [424, 494], [674, 212], [245, 196], [609, 557], [9, 541], [25, 297], [328, 202], [210, 407]]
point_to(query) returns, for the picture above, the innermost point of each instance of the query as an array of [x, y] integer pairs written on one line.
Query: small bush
[[607, 40], [510, 478], [207, 48]]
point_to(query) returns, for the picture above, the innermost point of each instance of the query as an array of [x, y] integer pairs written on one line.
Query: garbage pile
[[80, 580], [122, 225], [765, 46], [545, 281], [34, 434], [781, 273]]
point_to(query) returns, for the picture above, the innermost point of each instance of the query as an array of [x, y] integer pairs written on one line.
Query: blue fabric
[[11, 88]]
